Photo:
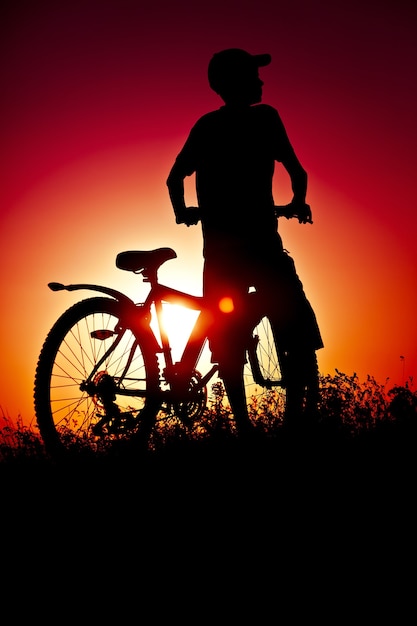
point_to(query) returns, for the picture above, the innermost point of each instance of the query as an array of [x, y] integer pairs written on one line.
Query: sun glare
[[226, 305], [178, 323]]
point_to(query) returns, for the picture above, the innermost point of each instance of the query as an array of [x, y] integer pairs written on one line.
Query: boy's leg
[[235, 389], [302, 389]]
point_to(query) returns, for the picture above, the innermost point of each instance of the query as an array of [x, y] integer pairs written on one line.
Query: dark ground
[[324, 470], [325, 524]]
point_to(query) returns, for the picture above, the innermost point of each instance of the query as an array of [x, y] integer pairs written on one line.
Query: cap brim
[[262, 59]]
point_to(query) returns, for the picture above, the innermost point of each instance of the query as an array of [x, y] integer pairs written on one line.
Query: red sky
[[97, 99]]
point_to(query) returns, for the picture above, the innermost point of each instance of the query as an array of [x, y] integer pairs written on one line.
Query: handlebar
[[290, 210], [193, 216]]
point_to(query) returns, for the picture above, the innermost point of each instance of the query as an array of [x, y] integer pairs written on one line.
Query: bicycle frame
[[138, 317], [182, 370]]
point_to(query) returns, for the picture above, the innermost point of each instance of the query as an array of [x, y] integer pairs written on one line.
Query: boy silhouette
[[232, 152]]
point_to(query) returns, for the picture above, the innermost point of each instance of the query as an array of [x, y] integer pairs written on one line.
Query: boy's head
[[233, 74]]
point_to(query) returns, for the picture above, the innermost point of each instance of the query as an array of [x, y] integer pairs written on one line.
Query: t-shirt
[[233, 151]]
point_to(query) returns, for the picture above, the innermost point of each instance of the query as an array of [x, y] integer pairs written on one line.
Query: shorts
[[278, 293]]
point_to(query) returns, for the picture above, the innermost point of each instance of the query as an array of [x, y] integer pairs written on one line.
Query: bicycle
[[103, 375]]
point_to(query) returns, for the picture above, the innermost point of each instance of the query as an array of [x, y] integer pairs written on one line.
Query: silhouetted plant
[[217, 420], [18, 441], [347, 406], [402, 408], [267, 411], [350, 405]]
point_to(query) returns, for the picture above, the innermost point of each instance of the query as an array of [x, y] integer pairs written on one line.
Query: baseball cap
[[231, 62]]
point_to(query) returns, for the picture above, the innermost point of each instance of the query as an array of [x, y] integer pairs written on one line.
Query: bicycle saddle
[[144, 261]]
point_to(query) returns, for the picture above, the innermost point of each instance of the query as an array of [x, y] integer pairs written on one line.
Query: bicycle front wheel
[[93, 380], [263, 375], [281, 387]]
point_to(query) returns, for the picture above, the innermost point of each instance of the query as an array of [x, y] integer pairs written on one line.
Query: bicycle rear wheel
[[93, 380]]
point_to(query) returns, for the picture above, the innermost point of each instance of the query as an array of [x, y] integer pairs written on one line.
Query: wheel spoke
[[88, 373]]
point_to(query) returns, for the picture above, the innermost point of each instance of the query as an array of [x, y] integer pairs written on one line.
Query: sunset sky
[[98, 98]]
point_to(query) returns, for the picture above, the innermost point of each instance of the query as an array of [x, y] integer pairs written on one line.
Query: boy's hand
[[190, 216], [303, 212]]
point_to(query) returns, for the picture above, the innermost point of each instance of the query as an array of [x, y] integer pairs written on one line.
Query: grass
[[352, 411], [332, 510]]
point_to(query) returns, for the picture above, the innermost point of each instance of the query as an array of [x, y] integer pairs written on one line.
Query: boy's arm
[[285, 154], [299, 178], [175, 184]]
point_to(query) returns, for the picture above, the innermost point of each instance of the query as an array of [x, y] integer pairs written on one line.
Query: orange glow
[[226, 305], [95, 111], [178, 323]]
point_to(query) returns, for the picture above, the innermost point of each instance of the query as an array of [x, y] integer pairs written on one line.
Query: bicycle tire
[[263, 374], [74, 418], [280, 387]]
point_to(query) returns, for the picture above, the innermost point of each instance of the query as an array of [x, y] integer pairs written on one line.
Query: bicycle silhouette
[[103, 374]]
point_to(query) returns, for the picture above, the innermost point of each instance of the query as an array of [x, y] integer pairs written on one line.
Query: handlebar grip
[[284, 210], [289, 211], [190, 216]]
